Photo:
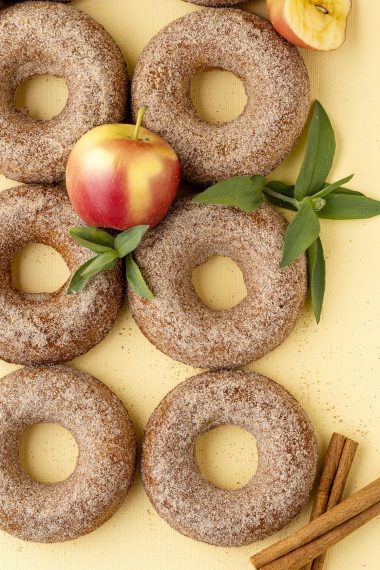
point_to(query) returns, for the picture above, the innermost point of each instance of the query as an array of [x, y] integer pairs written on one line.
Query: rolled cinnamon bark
[[297, 558], [360, 502], [330, 467], [340, 480], [332, 460]]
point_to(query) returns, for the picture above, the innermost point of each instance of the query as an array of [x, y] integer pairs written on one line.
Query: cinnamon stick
[[348, 509], [330, 467], [297, 558], [346, 461], [332, 460]]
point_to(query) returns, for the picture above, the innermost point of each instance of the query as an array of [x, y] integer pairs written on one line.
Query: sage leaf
[[328, 188], [302, 231], [94, 239], [135, 278], [78, 282], [109, 250], [347, 191], [351, 206], [100, 263], [319, 154], [129, 240], [317, 277], [243, 192], [85, 272]]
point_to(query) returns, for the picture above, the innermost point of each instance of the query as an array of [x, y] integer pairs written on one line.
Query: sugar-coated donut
[[106, 462], [179, 324], [56, 39], [275, 80], [287, 454], [49, 328]]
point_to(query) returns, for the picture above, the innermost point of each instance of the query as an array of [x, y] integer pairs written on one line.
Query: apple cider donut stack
[[178, 323], [47, 329], [43, 331]]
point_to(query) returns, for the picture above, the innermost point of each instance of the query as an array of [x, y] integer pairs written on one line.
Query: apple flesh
[[120, 176], [309, 23]]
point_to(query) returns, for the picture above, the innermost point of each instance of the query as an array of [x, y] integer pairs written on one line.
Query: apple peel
[[311, 24], [121, 176]]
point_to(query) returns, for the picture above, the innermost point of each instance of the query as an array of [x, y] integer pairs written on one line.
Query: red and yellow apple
[[313, 24], [120, 176]]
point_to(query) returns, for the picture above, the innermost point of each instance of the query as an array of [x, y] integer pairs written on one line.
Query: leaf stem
[[279, 196], [140, 117]]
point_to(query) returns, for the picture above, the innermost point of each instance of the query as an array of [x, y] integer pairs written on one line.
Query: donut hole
[[219, 283], [48, 452], [43, 96], [218, 96], [227, 456], [38, 268]]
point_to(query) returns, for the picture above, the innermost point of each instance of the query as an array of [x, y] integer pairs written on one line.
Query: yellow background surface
[[333, 369]]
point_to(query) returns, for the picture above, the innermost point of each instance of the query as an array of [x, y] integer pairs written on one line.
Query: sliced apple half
[[312, 24]]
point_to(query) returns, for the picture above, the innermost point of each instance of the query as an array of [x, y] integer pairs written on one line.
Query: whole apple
[[120, 176], [310, 24]]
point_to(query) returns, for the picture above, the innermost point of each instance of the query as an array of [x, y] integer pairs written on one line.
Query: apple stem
[[140, 117]]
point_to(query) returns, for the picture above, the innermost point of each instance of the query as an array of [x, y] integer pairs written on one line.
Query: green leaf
[[347, 191], [129, 240], [317, 276], [243, 192], [328, 188], [349, 206], [281, 187], [96, 240], [319, 154], [89, 269], [99, 263], [302, 231], [135, 278], [78, 282]]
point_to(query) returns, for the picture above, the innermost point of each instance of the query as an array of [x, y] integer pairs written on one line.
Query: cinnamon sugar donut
[[56, 39], [106, 462], [275, 80], [48, 328], [287, 454], [179, 324]]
